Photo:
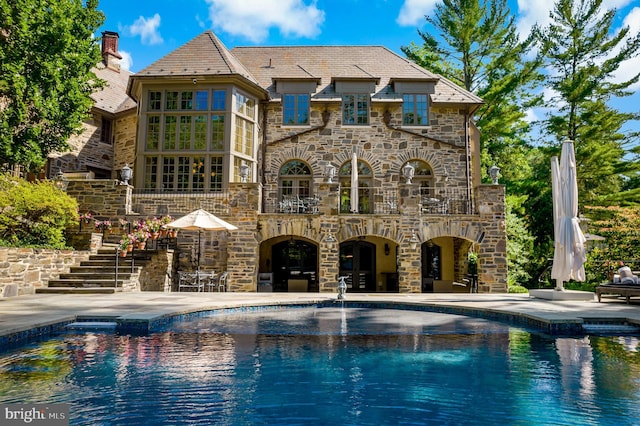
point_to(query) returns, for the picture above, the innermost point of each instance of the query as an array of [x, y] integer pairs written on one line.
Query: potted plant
[[123, 246], [140, 238], [153, 227], [86, 217], [103, 225]]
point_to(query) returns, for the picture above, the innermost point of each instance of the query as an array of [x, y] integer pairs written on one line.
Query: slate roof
[[328, 63], [203, 55], [113, 97], [261, 66]]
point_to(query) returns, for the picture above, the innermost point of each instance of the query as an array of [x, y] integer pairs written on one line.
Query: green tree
[[47, 51], [519, 243], [582, 55], [34, 214], [475, 44]]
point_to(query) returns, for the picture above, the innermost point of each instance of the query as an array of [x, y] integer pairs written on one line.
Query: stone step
[[102, 269], [85, 283], [74, 290], [96, 275]]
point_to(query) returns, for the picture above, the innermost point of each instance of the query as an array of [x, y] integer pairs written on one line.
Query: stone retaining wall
[[23, 270]]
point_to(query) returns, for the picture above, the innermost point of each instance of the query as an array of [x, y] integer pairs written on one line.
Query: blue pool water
[[330, 366]]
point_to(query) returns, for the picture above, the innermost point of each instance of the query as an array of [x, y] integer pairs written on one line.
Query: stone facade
[[413, 236]]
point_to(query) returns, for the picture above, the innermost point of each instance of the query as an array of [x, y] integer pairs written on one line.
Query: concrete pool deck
[[21, 315]]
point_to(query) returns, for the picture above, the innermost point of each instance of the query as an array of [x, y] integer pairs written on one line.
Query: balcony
[[371, 201], [445, 201]]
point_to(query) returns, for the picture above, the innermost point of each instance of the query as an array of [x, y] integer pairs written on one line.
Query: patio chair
[[222, 281], [189, 280], [209, 280]]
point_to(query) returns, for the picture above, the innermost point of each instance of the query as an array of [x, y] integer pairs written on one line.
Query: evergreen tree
[[47, 51], [582, 55], [475, 44]]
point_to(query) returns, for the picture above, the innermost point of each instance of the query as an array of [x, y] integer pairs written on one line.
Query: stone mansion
[[333, 161]]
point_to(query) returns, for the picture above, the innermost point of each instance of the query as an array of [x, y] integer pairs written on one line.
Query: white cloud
[[252, 19], [127, 60], [531, 12], [413, 11], [628, 69], [147, 29]]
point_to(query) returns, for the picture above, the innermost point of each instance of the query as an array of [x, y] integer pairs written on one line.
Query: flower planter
[[123, 253]]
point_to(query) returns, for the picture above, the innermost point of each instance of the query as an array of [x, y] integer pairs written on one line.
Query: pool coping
[[152, 312]]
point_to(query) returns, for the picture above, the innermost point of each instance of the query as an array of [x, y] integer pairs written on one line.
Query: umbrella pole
[[199, 234]]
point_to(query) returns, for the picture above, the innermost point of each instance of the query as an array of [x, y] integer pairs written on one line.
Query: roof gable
[[203, 55]]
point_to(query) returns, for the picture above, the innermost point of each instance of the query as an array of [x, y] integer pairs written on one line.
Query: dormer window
[[414, 110], [295, 109], [355, 109]]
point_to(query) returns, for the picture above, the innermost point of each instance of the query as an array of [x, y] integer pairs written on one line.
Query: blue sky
[[151, 29]]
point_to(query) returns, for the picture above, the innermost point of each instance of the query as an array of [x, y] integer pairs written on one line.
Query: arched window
[[294, 186], [364, 202]]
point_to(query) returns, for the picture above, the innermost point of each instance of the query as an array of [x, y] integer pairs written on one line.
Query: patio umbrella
[[354, 184], [569, 254], [201, 220]]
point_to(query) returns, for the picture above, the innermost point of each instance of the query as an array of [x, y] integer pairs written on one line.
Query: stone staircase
[[98, 273]]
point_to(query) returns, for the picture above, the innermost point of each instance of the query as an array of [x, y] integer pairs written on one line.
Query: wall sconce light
[[494, 172], [244, 172], [387, 250], [60, 182], [413, 241], [126, 174], [331, 173], [408, 171]]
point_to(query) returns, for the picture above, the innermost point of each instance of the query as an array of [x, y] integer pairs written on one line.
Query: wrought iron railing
[[214, 202], [370, 201], [445, 201]]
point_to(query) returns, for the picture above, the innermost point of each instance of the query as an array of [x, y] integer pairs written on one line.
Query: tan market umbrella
[[201, 220]]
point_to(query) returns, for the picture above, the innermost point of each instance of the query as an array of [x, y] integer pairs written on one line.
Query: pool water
[[331, 366]]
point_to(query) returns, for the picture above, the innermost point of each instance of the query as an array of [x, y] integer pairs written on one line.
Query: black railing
[[445, 201], [370, 201], [214, 202]]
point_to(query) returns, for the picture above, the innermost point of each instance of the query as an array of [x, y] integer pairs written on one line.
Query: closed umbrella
[[569, 242], [201, 220], [354, 184]]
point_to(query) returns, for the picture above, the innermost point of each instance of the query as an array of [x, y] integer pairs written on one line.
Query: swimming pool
[[330, 365]]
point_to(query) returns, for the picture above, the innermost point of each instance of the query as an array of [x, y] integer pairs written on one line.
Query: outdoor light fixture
[[126, 174], [331, 173], [387, 250], [494, 172], [414, 241], [244, 172], [60, 181], [408, 171]]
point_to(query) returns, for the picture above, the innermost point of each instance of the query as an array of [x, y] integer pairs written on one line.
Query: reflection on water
[[355, 366]]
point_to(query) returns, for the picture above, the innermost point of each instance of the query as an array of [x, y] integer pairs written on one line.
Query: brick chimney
[[110, 55]]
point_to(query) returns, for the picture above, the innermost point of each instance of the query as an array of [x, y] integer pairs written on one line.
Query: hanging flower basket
[[122, 253]]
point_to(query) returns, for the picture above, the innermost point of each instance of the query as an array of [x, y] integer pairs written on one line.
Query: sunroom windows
[[187, 144]]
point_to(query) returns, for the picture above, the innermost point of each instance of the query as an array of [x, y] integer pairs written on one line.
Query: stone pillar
[[243, 249], [329, 254], [492, 258]]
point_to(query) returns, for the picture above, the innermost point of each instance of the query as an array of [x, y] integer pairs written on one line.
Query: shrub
[[34, 214]]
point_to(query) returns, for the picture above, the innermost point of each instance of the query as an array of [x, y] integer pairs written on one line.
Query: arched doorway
[[431, 266], [295, 266], [358, 264]]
